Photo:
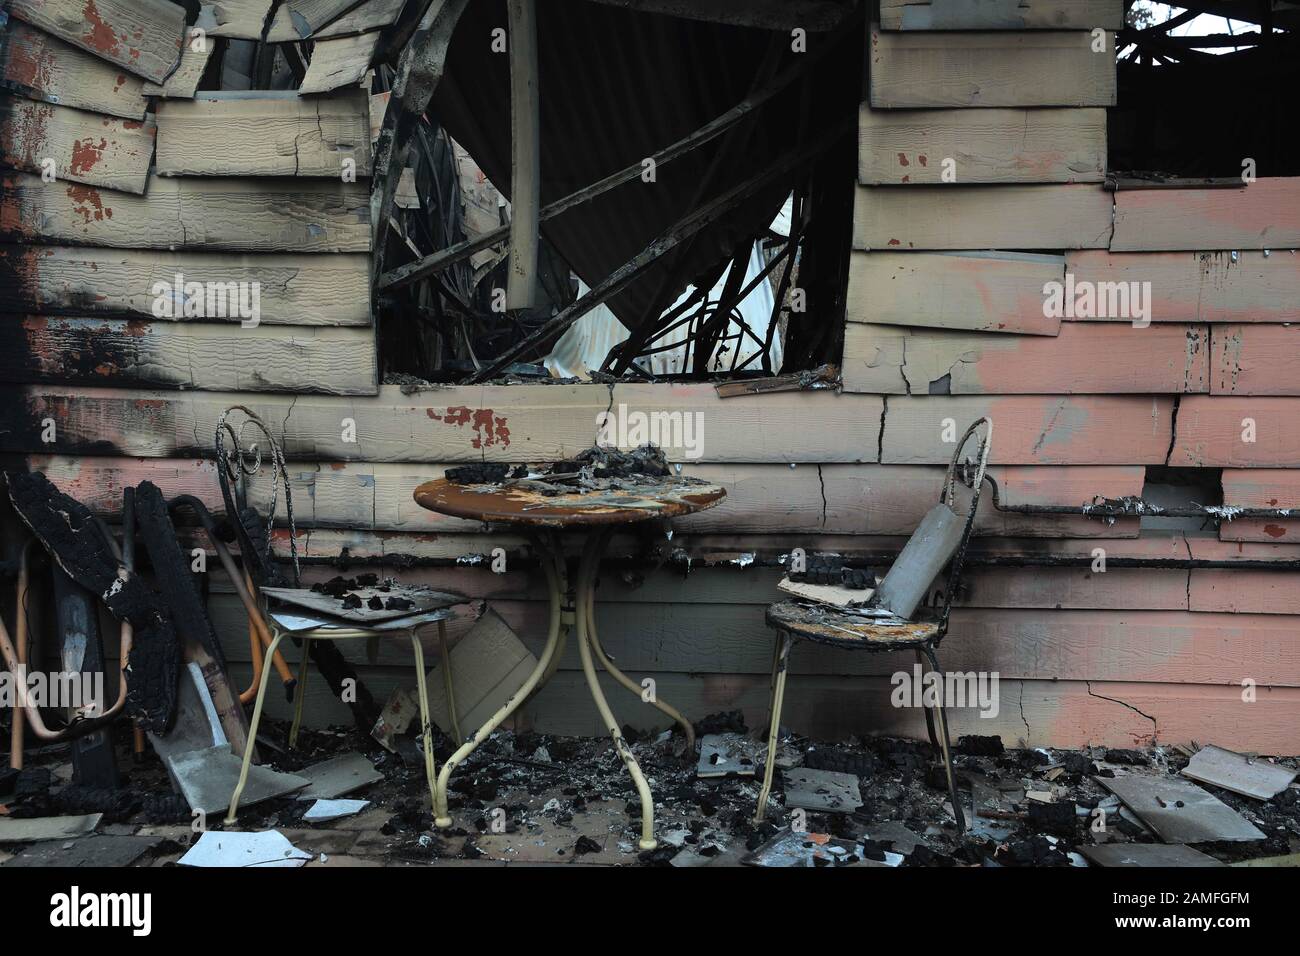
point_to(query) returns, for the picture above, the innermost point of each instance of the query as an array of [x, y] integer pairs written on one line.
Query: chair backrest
[[939, 540]]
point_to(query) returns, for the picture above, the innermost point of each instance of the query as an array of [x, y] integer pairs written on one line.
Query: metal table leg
[[556, 580], [659, 704], [780, 662], [586, 584], [447, 682], [300, 692]]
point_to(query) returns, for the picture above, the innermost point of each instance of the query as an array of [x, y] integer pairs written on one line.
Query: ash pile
[[599, 468]]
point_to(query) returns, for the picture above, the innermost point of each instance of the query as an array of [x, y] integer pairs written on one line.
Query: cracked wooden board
[[142, 36], [343, 61], [978, 292], [1000, 14], [371, 15], [1035, 430], [1261, 488], [1230, 286], [761, 499], [84, 147], [43, 67], [309, 16], [1086, 358], [921, 147], [326, 289], [471, 423], [265, 134], [1050, 217], [1263, 215], [198, 50], [191, 355], [1231, 431], [1255, 360], [240, 19], [1006, 69], [238, 215]]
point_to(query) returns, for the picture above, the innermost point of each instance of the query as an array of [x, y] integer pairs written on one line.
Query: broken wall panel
[[1224, 431], [935, 147], [308, 16], [142, 36], [1001, 14], [979, 292], [322, 289], [994, 69], [194, 355], [266, 135], [343, 61], [1160, 646], [371, 15], [1261, 488], [1032, 429], [761, 499], [958, 217], [1255, 360], [240, 19], [75, 145], [1227, 286], [467, 423], [1086, 359], [42, 67], [239, 215], [1262, 215], [198, 50]]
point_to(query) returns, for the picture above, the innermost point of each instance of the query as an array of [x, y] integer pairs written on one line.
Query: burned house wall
[[939, 329]]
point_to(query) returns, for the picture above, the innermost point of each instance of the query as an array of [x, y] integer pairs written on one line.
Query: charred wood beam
[[522, 287], [683, 230], [412, 272], [419, 72]]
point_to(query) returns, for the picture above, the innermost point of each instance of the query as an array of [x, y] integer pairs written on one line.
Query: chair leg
[[300, 693], [946, 746], [448, 683], [929, 714], [780, 659], [232, 813], [426, 725]]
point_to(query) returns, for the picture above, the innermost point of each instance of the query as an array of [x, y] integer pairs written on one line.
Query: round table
[[526, 505]]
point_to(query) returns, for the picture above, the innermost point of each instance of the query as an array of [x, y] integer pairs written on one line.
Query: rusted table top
[[509, 503], [827, 625]]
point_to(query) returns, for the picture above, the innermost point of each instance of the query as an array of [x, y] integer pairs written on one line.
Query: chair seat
[[828, 625]]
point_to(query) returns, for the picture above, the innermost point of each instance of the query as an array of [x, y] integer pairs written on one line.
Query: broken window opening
[[1180, 111], [716, 277]]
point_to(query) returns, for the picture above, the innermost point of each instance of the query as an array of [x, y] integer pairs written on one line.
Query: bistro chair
[[891, 620]]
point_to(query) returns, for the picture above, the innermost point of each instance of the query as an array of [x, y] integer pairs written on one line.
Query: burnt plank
[[324, 289], [266, 135], [192, 355], [142, 36], [43, 67], [82, 147], [238, 215]]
